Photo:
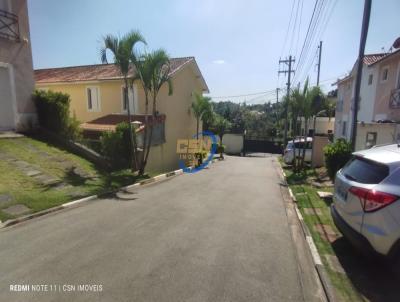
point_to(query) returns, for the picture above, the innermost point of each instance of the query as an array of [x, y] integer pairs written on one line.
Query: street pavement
[[218, 235]]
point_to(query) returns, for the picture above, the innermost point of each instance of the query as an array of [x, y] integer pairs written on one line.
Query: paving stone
[[16, 209], [334, 264], [82, 173], [316, 184], [327, 184], [32, 172], [326, 232], [324, 195], [46, 180], [22, 164], [62, 186], [44, 154], [313, 211], [77, 193], [5, 199]]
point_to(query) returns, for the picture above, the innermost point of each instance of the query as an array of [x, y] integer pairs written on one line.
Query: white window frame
[[133, 95], [387, 77], [94, 108]]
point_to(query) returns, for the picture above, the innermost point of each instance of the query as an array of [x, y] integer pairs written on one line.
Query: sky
[[237, 44]]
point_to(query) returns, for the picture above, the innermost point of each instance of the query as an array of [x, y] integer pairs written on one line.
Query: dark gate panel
[[264, 146]]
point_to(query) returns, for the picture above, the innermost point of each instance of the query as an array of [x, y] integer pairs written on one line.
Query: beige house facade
[[379, 98], [97, 91], [17, 111]]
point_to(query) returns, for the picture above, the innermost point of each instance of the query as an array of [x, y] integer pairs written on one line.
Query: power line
[[308, 30], [288, 28], [322, 17], [243, 95], [299, 28], [314, 22], [294, 27]]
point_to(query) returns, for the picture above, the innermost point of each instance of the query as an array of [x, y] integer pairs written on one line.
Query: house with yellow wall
[[97, 101]]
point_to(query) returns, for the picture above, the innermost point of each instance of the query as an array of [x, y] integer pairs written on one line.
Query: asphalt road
[[218, 235]]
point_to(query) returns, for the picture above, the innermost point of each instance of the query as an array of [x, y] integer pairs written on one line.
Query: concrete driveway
[[218, 235]]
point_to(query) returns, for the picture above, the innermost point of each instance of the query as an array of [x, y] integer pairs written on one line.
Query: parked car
[[297, 144], [366, 205]]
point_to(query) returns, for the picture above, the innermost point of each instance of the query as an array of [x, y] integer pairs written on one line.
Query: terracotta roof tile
[[372, 58], [93, 72], [109, 122]]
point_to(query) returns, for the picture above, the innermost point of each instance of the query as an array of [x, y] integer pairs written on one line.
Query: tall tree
[[123, 50], [202, 110], [153, 71], [220, 126]]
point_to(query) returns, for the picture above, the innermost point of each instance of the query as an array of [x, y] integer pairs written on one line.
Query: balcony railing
[[394, 101], [9, 28]]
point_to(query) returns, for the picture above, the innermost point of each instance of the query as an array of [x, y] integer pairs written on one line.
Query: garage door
[[6, 100]]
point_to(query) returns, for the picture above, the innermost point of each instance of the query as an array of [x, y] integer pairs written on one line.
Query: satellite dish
[[396, 43]]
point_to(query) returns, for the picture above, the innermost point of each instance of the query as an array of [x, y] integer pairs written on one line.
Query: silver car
[[366, 205]]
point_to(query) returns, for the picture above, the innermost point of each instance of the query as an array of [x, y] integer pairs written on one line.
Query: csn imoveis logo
[[197, 151]]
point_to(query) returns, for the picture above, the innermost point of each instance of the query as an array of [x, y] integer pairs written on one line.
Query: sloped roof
[[109, 122], [99, 72], [372, 58], [368, 60]]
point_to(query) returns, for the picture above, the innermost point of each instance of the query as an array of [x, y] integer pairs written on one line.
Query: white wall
[[386, 134], [367, 94], [233, 143], [322, 124]]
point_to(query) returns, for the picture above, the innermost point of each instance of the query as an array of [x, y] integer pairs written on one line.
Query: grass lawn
[[307, 198], [40, 175]]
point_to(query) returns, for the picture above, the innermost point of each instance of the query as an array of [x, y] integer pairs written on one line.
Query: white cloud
[[219, 62]]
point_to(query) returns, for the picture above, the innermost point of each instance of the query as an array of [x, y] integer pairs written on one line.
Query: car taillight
[[372, 200]]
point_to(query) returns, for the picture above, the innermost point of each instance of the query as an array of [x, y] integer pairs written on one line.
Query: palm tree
[[153, 72], [202, 110], [308, 101], [123, 51], [220, 126]]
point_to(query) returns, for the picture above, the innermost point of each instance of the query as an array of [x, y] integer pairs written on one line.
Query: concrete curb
[[319, 267], [77, 202]]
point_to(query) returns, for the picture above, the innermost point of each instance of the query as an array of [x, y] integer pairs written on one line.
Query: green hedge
[[53, 113], [115, 146], [337, 155]]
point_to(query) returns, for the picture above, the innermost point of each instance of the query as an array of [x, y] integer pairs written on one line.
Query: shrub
[[53, 113], [220, 149], [115, 146], [336, 156]]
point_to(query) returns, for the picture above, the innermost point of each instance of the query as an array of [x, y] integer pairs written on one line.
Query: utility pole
[[277, 95], [363, 40], [319, 61], [289, 72]]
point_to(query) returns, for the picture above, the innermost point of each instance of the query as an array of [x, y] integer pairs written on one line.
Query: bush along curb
[[319, 267], [78, 202]]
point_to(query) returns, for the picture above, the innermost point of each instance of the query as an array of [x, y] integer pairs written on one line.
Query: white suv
[[298, 145], [366, 205]]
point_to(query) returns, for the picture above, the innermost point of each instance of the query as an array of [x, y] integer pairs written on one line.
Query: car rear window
[[300, 145], [365, 171]]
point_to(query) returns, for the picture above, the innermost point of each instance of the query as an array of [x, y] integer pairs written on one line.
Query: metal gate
[[262, 145]]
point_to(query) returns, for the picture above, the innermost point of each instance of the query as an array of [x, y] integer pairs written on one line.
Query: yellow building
[[97, 101]]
